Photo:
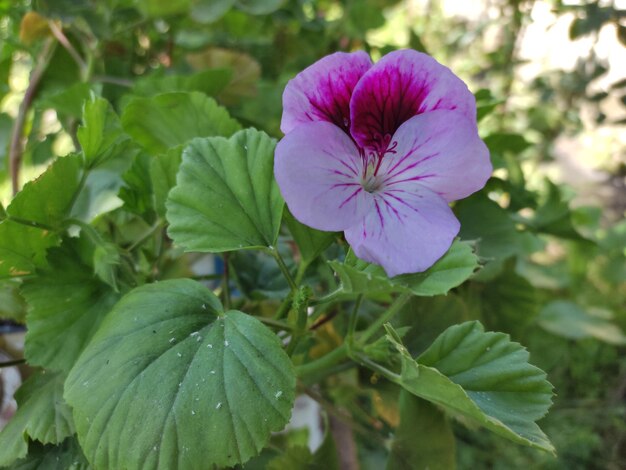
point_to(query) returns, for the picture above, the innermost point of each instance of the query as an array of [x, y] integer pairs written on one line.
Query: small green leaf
[[48, 199], [311, 242], [106, 259], [42, 415], [451, 270], [171, 380], [171, 119], [481, 377], [23, 248], [101, 136], [66, 305], [226, 197], [37, 214], [424, 439], [568, 320]]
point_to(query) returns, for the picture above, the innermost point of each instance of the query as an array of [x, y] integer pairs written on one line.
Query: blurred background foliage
[[550, 81]]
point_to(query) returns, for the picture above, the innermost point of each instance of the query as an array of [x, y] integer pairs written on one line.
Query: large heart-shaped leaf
[[483, 377], [42, 415], [171, 381], [226, 197], [451, 270]]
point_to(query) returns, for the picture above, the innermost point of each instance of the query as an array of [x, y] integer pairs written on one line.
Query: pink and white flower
[[378, 151]]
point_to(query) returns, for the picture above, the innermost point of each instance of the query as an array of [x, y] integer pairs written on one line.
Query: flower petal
[[399, 86], [407, 232], [440, 150], [318, 167], [322, 91]]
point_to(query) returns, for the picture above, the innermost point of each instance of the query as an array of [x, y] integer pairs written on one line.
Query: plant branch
[[123, 82], [146, 235], [226, 282], [275, 323], [283, 268], [318, 368], [62, 38], [393, 309], [15, 362], [16, 148]]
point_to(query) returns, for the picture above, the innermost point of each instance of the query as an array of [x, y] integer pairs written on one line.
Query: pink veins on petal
[[385, 175]]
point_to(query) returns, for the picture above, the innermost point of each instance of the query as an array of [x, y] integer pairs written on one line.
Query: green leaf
[[568, 320], [451, 270], [226, 197], [12, 305], [158, 8], [68, 102], [208, 11], [66, 306], [209, 82], [508, 303], [66, 456], [259, 7], [258, 276], [101, 136], [424, 439], [48, 199], [486, 222], [480, 377], [311, 242], [42, 415], [171, 119], [106, 260], [35, 213], [163, 170], [170, 380], [23, 248]]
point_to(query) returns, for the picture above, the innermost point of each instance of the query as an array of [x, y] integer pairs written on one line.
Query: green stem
[[353, 318], [393, 309], [283, 267], [300, 272], [146, 235], [275, 323], [337, 294], [284, 307], [367, 362], [16, 146], [319, 367], [300, 327], [62, 38], [226, 282]]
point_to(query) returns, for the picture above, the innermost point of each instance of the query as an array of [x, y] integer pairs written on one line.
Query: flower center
[[371, 180]]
